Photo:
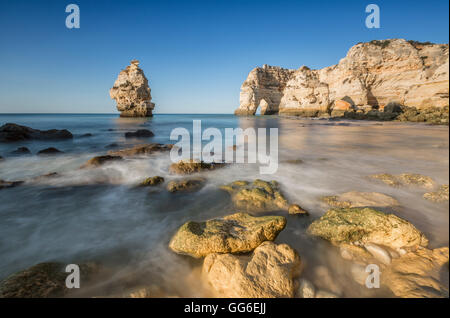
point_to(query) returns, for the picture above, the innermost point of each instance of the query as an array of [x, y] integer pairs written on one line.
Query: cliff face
[[372, 74], [132, 93]]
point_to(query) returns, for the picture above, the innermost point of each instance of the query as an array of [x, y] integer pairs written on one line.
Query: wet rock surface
[[186, 185], [141, 150], [101, 160], [236, 233], [13, 132], [268, 272], [190, 167]]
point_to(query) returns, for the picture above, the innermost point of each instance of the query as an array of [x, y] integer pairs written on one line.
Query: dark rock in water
[[9, 184], [43, 280], [152, 181], [141, 150], [45, 176], [113, 145], [49, 151], [100, 160], [86, 135], [140, 133], [1, 158], [21, 151], [13, 132]]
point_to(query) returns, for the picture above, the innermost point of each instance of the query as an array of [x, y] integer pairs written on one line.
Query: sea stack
[[132, 93]]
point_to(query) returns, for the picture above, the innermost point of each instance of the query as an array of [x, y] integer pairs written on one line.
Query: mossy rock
[[43, 280], [191, 166], [100, 160], [366, 225], [186, 185], [441, 195], [152, 181], [236, 233], [405, 179], [258, 196]]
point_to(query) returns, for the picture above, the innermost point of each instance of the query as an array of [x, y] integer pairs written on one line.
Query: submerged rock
[[13, 132], [297, 209], [100, 160], [366, 225], [132, 93], [306, 289], [441, 195], [355, 199], [42, 280], [418, 274], [152, 181], [49, 151], [141, 150], [412, 179], [140, 133], [21, 151], [9, 184], [268, 272], [258, 196], [191, 166], [186, 185], [236, 233]]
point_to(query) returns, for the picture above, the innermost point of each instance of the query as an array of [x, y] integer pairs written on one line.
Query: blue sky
[[196, 54]]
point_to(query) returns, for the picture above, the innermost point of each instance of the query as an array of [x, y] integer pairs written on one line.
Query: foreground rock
[[140, 133], [236, 233], [13, 132], [191, 166], [441, 195], [100, 160], [356, 199], [418, 274], [186, 185], [258, 196], [268, 272], [132, 93], [371, 76], [362, 226], [42, 281], [405, 179], [141, 150], [152, 181]]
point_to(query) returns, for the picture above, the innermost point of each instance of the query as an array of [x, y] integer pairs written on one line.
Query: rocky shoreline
[[240, 253]]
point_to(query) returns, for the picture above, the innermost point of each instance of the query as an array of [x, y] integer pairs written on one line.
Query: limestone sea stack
[[372, 75], [132, 93]]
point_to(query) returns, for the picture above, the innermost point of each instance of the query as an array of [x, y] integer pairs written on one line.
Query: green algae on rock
[[191, 166], [185, 185], [42, 280], [258, 196], [151, 181], [100, 160], [356, 199], [411, 179], [236, 233], [366, 225]]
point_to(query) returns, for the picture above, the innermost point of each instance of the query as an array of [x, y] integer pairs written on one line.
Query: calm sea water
[[99, 215]]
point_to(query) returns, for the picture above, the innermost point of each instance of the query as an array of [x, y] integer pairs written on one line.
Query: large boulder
[[13, 132], [236, 233], [418, 274], [132, 93], [365, 225], [256, 196], [268, 272]]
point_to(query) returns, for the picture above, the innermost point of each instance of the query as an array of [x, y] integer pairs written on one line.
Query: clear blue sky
[[196, 54]]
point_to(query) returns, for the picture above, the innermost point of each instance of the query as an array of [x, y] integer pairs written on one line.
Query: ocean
[[100, 215]]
